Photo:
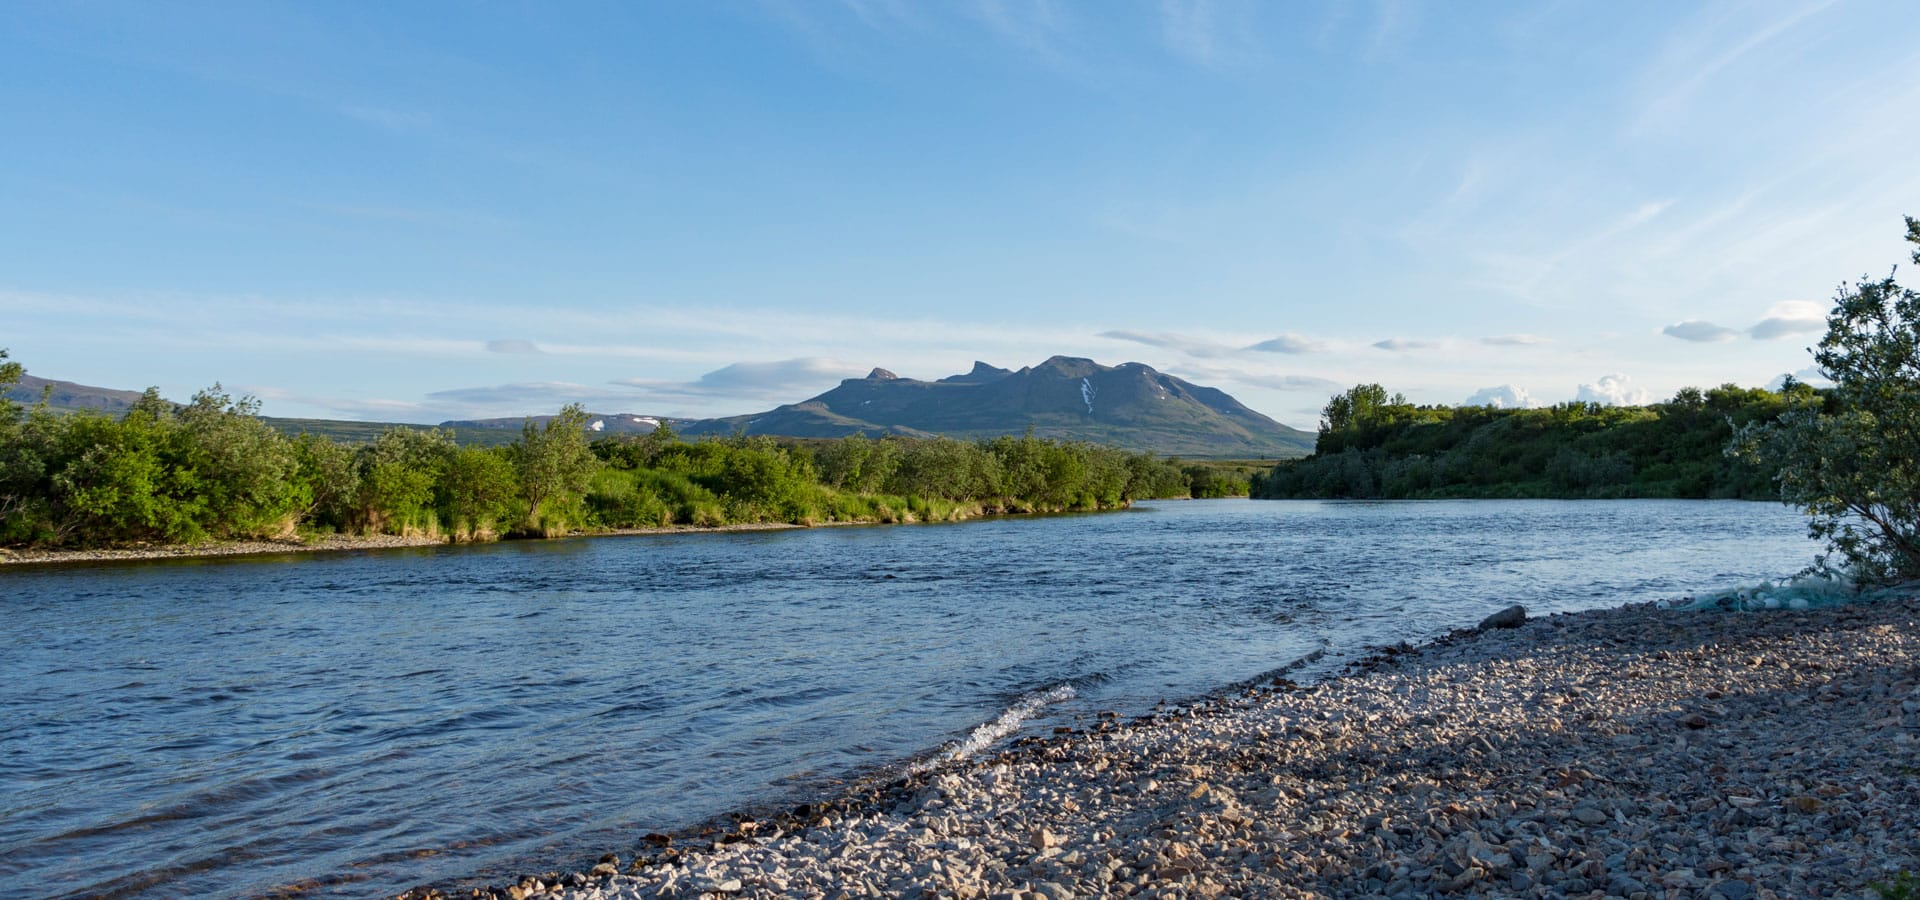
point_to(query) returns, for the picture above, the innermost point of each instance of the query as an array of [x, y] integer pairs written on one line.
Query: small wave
[[1009, 721], [1804, 591]]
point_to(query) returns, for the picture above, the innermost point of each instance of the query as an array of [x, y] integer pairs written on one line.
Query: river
[[354, 724]]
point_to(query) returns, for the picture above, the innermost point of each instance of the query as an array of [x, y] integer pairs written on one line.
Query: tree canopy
[[1852, 462]]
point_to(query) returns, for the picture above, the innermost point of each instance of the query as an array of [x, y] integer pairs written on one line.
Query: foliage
[[554, 465], [1852, 462], [1361, 408], [397, 474], [214, 469], [1904, 886], [1376, 446]]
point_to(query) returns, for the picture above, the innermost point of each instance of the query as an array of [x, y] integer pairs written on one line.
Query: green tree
[[555, 466], [397, 476], [1853, 463], [1348, 414], [242, 471], [476, 492]]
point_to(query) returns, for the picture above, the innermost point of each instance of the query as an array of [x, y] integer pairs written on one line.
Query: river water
[[358, 723]]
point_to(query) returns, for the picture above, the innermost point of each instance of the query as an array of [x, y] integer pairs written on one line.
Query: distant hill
[[601, 424], [68, 395], [1066, 398]]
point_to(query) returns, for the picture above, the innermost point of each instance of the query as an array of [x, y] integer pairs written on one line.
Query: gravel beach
[[1634, 752]]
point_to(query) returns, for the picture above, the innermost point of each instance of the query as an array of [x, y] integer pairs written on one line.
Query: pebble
[[1540, 760]]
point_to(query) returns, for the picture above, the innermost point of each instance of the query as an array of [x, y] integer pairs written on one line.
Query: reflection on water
[[378, 720]]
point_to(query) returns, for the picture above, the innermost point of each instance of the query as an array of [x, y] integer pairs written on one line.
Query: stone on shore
[[1512, 617]]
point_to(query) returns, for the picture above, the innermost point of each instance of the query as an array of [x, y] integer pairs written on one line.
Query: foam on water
[[1002, 725], [1804, 591]]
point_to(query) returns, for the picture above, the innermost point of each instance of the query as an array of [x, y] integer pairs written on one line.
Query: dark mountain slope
[[1068, 398]]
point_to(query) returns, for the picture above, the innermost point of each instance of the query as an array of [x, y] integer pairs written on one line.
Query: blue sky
[[417, 211]]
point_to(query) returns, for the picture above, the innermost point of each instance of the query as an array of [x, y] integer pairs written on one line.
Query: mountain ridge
[[1067, 398]]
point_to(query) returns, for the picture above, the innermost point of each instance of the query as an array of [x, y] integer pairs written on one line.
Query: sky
[[418, 211]]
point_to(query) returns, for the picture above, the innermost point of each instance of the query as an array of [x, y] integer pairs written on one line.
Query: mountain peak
[[1066, 397], [981, 374]]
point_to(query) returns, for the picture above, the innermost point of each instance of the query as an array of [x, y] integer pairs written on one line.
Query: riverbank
[[335, 542], [1633, 752]]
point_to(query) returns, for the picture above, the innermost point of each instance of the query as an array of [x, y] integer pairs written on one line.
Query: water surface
[[359, 723]]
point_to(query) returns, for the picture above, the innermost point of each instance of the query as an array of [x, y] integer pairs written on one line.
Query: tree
[[1349, 413], [554, 463], [1852, 463]]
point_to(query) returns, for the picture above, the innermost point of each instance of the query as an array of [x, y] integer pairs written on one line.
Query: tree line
[[213, 470], [1375, 445]]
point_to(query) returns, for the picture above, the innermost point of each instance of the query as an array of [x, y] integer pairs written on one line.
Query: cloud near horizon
[[778, 379], [1403, 345], [1612, 390], [1504, 396]]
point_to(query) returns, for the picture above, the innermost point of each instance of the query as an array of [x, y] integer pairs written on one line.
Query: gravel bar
[[1637, 752]]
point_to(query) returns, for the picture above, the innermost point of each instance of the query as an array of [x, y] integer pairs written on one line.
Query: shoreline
[[339, 542], [342, 542], [1635, 752]]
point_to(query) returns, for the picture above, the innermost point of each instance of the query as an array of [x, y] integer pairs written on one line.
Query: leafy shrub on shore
[[1851, 459], [1373, 445]]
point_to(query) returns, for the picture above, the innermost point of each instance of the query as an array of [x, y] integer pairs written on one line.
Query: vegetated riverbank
[[1634, 752], [340, 542]]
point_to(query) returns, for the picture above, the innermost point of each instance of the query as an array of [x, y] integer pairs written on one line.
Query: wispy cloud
[[390, 119], [1700, 332], [1515, 340], [1040, 27], [1167, 341], [512, 345], [1404, 345], [1693, 62], [1214, 373], [1206, 348], [1290, 343], [1208, 33], [786, 379]]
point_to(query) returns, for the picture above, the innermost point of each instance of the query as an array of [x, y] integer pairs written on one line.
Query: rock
[[1044, 840], [1589, 815], [1512, 617], [1695, 721]]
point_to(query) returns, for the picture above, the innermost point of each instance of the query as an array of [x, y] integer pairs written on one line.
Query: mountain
[[68, 395], [1068, 398], [597, 423]]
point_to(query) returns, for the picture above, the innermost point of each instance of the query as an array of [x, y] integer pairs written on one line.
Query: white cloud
[[1290, 343], [1166, 341], [1402, 345], [785, 380], [512, 345], [1515, 340], [1612, 390], [1790, 317], [1810, 375], [1700, 332], [1505, 396]]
